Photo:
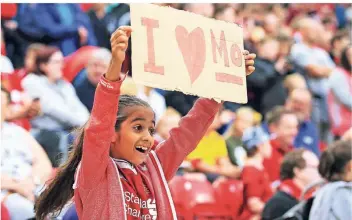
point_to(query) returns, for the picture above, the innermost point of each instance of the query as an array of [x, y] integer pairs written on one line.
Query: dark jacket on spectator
[[278, 205], [100, 30], [85, 90], [55, 24], [260, 81]]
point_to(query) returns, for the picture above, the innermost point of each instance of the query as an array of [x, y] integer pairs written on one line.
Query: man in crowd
[[316, 65], [299, 169], [86, 81], [300, 102], [283, 126]]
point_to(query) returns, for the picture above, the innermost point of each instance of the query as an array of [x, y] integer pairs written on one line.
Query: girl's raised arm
[[99, 130]]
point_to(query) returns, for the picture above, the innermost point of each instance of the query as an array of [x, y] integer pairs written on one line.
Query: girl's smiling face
[[134, 139]]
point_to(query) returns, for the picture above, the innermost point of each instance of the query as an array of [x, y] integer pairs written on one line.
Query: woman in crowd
[[61, 108], [334, 199]]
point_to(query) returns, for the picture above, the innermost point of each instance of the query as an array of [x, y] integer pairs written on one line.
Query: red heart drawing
[[192, 46]]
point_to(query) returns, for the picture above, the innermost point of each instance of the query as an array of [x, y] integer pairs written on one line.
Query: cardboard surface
[[178, 50]]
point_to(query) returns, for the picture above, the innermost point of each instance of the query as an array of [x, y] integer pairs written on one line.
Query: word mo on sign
[[178, 50]]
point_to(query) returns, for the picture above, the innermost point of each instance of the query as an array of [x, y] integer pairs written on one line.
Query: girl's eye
[[152, 131], [138, 127]]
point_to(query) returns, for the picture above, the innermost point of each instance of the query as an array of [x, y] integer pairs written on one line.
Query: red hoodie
[[100, 190]]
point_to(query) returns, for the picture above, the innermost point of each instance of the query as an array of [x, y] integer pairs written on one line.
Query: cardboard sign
[[179, 50]]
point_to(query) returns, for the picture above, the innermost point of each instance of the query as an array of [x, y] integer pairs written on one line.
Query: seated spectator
[[299, 101], [24, 166], [61, 108], [334, 199], [87, 80], [210, 156], [168, 121], [339, 98], [299, 169], [155, 100], [243, 120], [256, 183], [283, 127]]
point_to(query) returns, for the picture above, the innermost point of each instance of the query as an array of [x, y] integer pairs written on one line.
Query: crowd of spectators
[[287, 137]]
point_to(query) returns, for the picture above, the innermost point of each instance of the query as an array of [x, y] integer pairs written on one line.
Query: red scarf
[[289, 187], [139, 193]]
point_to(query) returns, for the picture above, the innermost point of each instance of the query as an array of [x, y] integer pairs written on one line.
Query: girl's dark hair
[[333, 161], [344, 59], [59, 191], [43, 56]]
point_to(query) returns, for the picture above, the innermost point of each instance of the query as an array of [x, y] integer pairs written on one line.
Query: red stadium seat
[[86, 6], [196, 199], [8, 10], [4, 213], [12, 82], [229, 192], [3, 48], [76, 61]]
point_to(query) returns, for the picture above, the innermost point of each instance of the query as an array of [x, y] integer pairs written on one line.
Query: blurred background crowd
[[256, 161]]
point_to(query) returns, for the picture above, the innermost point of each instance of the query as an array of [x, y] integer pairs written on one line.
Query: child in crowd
[[112, 171], [257, 189]]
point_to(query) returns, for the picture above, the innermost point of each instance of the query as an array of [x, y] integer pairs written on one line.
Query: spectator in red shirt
[[256, 183], [283, 125]]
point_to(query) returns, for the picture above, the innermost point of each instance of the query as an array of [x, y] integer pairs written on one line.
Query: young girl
[[112, 172]]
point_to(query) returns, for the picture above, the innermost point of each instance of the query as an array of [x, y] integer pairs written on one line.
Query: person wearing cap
[[257, 189]]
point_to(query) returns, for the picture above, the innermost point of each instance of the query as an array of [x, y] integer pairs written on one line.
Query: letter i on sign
[[150, 24]]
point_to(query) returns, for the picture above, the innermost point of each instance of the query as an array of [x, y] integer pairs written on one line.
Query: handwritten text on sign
[[178, 50]]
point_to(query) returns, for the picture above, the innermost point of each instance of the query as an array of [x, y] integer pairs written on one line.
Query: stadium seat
[[195, 199], [76, 61], [4, 212], [12, 82], [3, 48], [8, 10], [86, 6], [229, 192]]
